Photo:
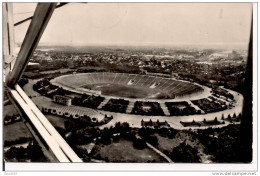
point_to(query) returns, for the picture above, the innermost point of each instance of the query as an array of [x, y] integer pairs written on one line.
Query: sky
[[143, 23]]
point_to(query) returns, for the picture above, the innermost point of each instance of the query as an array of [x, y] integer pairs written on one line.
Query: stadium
[[135, 97], [130, 86]]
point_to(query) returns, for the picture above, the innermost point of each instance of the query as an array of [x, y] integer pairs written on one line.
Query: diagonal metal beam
[[37, 26], [29, 18]]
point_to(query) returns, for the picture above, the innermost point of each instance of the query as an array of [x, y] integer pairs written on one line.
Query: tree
[[106, 159], [11, 153], [105, 139], [139, 143], [142, 131], [152, 140], [116, 138], [35, 151], [21, 153], [60, 91], [125, 127], [117, 125], [150, 122], [239, 115], [170, 135], [185, 154]]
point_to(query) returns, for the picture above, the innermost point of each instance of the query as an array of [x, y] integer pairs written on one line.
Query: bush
[[116, 138], [170, 135], [11, 153], [106, 159], [105, 140], [166, 152], [32, 152], [185, 154], [139, 143], [152, 140]]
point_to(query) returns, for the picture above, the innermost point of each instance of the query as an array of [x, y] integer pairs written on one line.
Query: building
[[62, 100], [156, 124], [33, 66]]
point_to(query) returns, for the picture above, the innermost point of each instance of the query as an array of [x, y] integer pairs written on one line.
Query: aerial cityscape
[[133, 103], [168, 98]]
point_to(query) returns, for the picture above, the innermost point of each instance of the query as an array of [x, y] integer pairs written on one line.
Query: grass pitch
[[123, 151], [119, 90]]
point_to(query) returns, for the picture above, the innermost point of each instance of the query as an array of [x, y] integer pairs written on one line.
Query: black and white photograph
[[159, 85]]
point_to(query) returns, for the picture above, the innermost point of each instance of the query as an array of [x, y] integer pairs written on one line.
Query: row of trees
[[86, 135], [32, 153], [213, 122], [233, 118]]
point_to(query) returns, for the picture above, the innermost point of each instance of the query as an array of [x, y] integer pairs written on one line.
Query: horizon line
[[148, 44]]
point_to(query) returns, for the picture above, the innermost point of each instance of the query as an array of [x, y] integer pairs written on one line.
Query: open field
[[123, 151], [9, 110], [165, 143], [16, 131]]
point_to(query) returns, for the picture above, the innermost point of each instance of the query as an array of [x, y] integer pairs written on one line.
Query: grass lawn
[[15, 131], [164, 143], [119, 90], [10, 110], [123, 151], [56, 121]]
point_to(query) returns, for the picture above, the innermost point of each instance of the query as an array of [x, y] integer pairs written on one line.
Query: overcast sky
[[143, 23]]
